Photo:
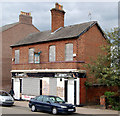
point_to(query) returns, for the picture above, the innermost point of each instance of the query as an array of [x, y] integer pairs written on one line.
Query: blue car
[[51, 104]]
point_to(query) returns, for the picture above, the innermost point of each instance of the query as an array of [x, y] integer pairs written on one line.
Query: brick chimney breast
[[57, 15], [25, 18]]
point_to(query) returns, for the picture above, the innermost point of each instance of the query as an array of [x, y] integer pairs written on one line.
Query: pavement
[[81, 110]]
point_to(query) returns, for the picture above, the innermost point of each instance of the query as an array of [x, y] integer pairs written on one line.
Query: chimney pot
[[58, 6]]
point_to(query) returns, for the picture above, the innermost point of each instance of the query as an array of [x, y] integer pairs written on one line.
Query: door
[[13, 84], [66, 91], [75, 89], [40, 87], [46, 105], [39, 102], [20, 88]]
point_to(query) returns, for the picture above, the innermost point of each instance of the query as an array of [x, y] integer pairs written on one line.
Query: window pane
[[40, 98], [45, 99], [31, 55], [69, 52], [37, 58], [16, 56], [52, 53]]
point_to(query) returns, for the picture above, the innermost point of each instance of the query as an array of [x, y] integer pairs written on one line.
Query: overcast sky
[[106, 13]]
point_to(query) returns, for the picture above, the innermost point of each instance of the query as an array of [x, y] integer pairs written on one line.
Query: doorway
[[66, 91], [20, 88], [13, 84], [75, 89], [40, 87]]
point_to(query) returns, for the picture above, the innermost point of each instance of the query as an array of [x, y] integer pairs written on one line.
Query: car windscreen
[[56, 100], [2, 93]]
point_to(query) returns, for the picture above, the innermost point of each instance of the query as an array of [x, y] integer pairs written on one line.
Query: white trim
[[49, 70], [78, 91]]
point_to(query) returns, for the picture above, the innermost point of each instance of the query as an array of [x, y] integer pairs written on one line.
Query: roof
[[5, 27], [67, 32]]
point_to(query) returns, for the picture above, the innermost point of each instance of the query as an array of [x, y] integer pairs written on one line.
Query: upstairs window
[[31, 55], [69, 52], [17, 53], [37, 57], [52, 54]]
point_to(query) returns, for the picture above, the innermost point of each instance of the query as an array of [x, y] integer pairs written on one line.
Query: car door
[[46, 103], [39, 102]]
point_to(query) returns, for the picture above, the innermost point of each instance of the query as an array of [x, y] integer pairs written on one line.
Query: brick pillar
[[82, 91]]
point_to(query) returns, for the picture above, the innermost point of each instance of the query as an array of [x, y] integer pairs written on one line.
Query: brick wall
[[44, 57], [89, 46], [85, 47], [9, 37], [94, 93]]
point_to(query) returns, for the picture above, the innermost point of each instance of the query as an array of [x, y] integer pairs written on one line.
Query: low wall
[[94, 93]]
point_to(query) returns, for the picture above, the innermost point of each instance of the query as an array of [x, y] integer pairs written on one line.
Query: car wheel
[[33, 108], [54, 111]]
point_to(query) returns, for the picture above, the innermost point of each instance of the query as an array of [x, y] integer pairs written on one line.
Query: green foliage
[[113, 100], [109, 94], [106, 68], [117, 107]]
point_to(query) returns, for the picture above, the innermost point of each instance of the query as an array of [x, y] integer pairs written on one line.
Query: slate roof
[[5, 27], [67, 32]]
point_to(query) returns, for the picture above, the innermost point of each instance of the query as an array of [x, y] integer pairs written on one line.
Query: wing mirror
[[48, 102]]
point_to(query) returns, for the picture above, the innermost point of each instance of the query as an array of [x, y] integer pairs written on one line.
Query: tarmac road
[[21, 108]]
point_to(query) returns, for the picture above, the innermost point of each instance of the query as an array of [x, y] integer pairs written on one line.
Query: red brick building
[[51, 62], [10, 34]]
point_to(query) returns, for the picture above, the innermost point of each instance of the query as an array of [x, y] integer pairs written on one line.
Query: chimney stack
[[57, 14], [25, 18]]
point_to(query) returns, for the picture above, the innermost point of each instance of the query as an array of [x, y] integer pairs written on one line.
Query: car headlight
[[2, 99], [73, 106], [12, 99], [63, 106]]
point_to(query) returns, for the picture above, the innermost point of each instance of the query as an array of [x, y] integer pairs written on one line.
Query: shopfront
[[63, 83]]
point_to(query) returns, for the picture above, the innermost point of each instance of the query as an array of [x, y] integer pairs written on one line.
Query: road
[[18, 111], [21, 108]]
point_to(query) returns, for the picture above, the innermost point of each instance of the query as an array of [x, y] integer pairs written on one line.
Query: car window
[[59, 100], [52, 99], [36, 97], [45, 99], [2, 93], [39, 98]]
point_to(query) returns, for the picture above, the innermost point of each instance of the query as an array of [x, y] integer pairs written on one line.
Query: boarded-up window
[[31, 55], [69, 52], [52, 53], [17, 53]]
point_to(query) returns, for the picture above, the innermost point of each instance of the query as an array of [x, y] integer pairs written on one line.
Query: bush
[[109, 94], [113, 100]]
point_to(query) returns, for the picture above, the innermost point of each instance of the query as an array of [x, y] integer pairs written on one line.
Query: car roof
[[49, 95]]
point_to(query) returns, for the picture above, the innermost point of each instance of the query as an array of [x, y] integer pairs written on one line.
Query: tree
[[106, 68]]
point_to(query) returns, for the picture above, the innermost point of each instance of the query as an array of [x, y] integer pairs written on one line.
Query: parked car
[[5, 98], [53, 104]]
